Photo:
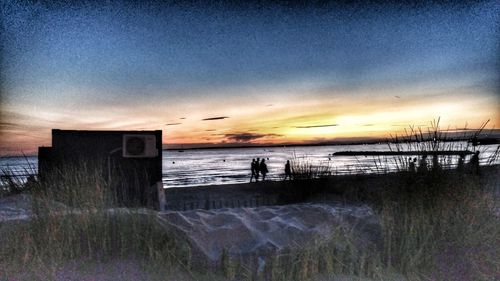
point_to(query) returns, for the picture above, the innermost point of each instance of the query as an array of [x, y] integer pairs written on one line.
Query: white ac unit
[[139, 146]]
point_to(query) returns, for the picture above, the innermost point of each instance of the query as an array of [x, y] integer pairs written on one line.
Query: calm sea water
[[232, 165]]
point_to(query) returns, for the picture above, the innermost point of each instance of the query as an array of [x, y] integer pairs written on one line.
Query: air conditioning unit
[[139, 146]]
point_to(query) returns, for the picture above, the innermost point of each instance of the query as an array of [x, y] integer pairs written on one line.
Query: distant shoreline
[[378, 141], [275, 145]]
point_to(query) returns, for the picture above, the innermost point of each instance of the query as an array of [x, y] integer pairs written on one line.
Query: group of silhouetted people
[[472, 166], [258, 167]]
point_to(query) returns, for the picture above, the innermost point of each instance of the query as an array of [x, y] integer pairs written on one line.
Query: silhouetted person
[[252, 168], [461, 161], [422, 166], [263, 169], [288, 170], [411, 165], [474, 163], [257, 169], [435, 163]]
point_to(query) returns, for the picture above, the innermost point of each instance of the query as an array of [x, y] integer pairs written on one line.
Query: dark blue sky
[[68, 57]]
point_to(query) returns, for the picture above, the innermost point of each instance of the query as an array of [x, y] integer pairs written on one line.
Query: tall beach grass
[[75, 217]]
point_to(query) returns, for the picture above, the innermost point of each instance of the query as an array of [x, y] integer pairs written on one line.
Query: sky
[[226, 72]]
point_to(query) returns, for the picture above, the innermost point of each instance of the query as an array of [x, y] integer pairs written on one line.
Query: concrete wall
[[182, 199], [133, 178], [239, 195]]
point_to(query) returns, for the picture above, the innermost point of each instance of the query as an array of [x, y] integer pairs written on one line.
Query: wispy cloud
[[246, 137], [8, 124], [316, 126], [172, 124], [214, 118]]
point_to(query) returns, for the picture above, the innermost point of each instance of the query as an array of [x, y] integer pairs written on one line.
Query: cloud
[[214, 118], [316, 126], [182, 118], [8, 124], [210, 130], [172, 124], [246, 137]]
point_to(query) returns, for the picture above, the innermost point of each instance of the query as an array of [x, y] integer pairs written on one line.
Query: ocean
[[195, 167]]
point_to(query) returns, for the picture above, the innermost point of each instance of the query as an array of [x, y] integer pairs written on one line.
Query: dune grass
[[76, 218], [438, 225], [305, 169], [433, 139]]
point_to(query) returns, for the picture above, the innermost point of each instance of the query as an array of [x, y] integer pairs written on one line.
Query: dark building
[[131, 161]]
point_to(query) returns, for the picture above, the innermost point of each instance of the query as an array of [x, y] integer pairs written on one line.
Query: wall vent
[[139, 146]]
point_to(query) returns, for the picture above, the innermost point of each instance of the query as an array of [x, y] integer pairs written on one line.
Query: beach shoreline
[[347, 188]]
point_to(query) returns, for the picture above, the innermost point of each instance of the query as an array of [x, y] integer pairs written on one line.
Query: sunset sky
[[259, 73]]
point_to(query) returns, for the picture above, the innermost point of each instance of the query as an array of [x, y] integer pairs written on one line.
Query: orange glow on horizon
[[255, 121]]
